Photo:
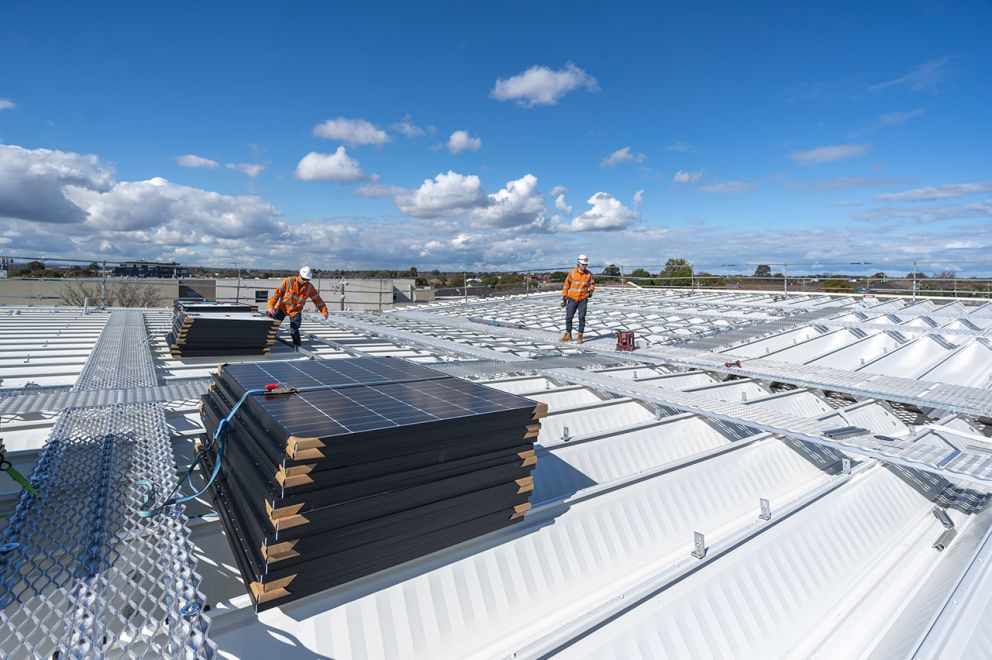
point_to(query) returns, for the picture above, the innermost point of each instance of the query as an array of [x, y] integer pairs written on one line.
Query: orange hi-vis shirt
[[578, 285], [292, 295]]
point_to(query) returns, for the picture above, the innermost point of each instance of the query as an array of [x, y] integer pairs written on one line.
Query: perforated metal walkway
[[81, 575]]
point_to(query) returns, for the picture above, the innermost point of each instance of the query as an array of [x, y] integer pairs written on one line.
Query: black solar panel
[[333, 373]]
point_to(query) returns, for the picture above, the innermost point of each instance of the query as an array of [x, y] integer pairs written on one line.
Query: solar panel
[[333, 373]]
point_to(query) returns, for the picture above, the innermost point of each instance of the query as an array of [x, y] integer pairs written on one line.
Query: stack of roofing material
[[370, 463], [200, 332]]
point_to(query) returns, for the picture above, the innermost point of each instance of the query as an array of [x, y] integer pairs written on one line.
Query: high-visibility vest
[[292, 295], [578, 285]]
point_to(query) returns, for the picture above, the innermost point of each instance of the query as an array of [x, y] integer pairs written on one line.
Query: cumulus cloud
[[353, 132], [926, 77], [446, 195], [408, 129], [329, 167], [829, 153], [192, 160], [620, 156], [561, 205], [558, 190], [687, 177], [733, 186], [540, 85], [143, 205], [461, 141], [515, 205], [251, 169], [607, 214], [34, 183], [7, 104], [376, 188], [943, 191]]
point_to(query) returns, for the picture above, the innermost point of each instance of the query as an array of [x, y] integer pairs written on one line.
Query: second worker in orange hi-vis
[[291, 297], [579, 286]]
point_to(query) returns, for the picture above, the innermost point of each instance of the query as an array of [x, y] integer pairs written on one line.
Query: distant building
[[170, 269]]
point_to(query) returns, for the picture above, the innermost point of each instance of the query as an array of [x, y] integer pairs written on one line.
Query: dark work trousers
[[294, 326], [571, 307]]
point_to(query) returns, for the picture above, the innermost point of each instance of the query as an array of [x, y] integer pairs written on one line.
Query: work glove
[[271, 313], [563, 303], [325, 315]]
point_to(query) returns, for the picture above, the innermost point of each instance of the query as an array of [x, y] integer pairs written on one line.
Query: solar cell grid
[[342, 372], [323, 413]]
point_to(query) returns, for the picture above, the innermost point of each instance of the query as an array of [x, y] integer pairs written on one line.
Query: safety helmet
[[583, 259], [306, 273]]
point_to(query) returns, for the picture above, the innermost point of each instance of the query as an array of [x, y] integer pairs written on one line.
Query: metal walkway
[[923, 394], [32, 403], [963, 462], [81, 575]]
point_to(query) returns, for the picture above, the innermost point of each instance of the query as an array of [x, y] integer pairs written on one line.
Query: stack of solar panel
[[210, 306], [377, 462], [210, 329]]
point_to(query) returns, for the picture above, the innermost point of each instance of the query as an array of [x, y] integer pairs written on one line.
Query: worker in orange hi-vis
[[579, 286], [289, 299]]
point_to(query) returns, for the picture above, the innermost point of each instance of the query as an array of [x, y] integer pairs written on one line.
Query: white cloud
[[620, 156], [446, 195], [733, 186], [561, 205], [839, 183], [899, 117], [7, 104], [540, 85], [515, 205], [251, 169], [461, 141], [376, 189], [607, 214], [329, 167], [192, 160], [34, 183], [687, 177], [145, 205], [558, 190], [829, 153], [846, 202], [943, 191], [408, 129], [926, 77], [681, 147], [924, 214], [353, 132]]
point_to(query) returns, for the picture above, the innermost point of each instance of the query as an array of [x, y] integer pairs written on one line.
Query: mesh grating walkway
[[81, 574]]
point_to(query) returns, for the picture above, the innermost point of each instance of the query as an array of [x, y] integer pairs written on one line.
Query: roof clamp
[[845, 466], [766, 509], [699, 545], [949, 532], [565, 437]]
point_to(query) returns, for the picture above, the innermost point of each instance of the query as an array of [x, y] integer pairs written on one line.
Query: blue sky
[[442, 135]]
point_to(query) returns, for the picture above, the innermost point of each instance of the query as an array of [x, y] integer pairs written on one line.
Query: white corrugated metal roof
[[602, 566]]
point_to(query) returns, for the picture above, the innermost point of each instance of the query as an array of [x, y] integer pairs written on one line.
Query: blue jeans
[[571, 307], [294, 325]]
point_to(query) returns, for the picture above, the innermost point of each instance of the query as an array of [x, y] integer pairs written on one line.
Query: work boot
[[578, 338], [566, 337]]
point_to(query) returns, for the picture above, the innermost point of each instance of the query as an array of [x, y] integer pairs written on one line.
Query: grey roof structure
[[824, 498]]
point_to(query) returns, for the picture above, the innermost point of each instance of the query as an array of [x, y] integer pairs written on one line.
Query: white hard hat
[[306, 273], [583, 259]]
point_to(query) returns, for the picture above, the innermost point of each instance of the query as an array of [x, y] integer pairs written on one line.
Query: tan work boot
[[566, 337], [578, 338]]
